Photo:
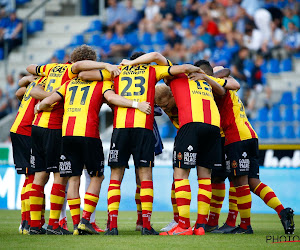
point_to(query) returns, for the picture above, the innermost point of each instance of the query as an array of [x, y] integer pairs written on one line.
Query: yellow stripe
[[175, 208], [215, 210], [203, 208], [56, 199], [264, 192], [244, 199], [218, 192], [138, 207], [205, 192], [245, 213], [35, 215], [184, 211], [89, 208], [74, 201], [147, 206], [274, 202], [114, 192], [279, 146], [121, 117], [173, 194], [36, 200], [182, 183], [183, 194], [91, 198], [113, 206], [75, 211], [205, 182], [139, 186], [54, 214], [148, 191]]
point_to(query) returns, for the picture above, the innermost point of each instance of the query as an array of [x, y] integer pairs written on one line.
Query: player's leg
[[139, 221], [63, 214], [23, 210]]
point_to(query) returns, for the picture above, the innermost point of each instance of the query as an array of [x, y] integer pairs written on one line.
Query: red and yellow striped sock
[[36, 205], [57, 198], [183, 199], [138, 205], [216, 202], [269, 197], [43, 211], [174, 204], [74, 205], [147, 202], [113, 201], [23, 209], [90, 204], [27, 196], [233, 209], [244, 204], [204, 197]]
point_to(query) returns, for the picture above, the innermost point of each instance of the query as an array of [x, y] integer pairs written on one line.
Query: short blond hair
[[162, 91]]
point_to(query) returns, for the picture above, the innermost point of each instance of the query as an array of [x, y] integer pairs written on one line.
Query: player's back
[[195, 101], [234, 120], [137, 83]]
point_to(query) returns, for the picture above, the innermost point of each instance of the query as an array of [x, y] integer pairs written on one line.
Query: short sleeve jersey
[[195, 101], [137, 83], [82, 103], [57, 75], [23, 122], [234, 120]]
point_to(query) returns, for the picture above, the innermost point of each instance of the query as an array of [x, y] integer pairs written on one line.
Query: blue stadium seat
[[289, 132], [289, 114], [158, 38], [20, 2], [287, 64], [263, 132], [287, 98], [262, 115], [297, 100], [146, 39], [198, 21], [133, 39], [298, 132], [275, 114], [77, 40], [1, 54], [298, 115], [186, 22], [264, 67], [248, 65], [164, 130], [276, 132], [95, 40], [95, 25], [274, 66], [59, 54]]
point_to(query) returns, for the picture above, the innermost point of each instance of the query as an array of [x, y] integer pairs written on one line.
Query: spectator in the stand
[[292, 39], [3, 104], [232, 9], [173, 49], [225, 24], [11, 88], [210, 26], [188, 40], [220, 55], [113, 13], [290, 16], [106, 40], [205, 37], [7, 5], [12, 32], [240, 20], [251, 6], [232, 45], [252, 38], [173, 39], [199, 51], [214, 9], [120, 46], [164, 9], [179, 12], [191, 8], [129, 16], [151, 10]]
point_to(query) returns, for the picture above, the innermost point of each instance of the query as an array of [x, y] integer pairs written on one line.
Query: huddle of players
[[72, 95]]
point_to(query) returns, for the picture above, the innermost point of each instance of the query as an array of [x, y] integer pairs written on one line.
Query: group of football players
[[57, 130]]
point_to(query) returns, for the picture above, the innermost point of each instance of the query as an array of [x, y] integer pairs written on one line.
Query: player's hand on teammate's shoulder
[[32, 78], [196, 76], [126, 62], [145, 107], [113, 69], [217, 68]]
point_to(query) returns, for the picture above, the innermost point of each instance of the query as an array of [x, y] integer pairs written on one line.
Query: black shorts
[[138, 142], [242, 157], [224, 171], [21, 145], [78, 152], [197, 144], [46, 149]]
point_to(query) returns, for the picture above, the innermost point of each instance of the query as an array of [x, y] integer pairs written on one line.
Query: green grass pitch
[[263, 225]]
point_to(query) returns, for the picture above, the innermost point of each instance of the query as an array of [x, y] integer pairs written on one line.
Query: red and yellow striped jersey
[[195, 101], [173, 116], [57, 75], [82, 103], [137, 83], [234, 120], [23, 122]]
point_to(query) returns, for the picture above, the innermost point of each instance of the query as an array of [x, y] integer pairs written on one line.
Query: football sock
[[36, 205], [90, 203], [183, 199], [63, 212], [74, 205], [57, 198], [138, 205], [269, 197], [27, 197], [146, 202], [244, 204], [113, 201], [43, 211], [23, 209], [233, 209], [204, 197], [174, 204], [216, 202]]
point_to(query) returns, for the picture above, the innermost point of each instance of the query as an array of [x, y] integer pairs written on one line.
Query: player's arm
[[216, 87], [25, 80], [32, 69], [42, 70], [221, 72], [118, 100], [184, 68], [48, 101], [92, 75], [86, 65], [156, 57], [39, 93], [20, 93]]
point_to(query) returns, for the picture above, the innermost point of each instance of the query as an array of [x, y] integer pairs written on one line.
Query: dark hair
[[136, 55], [205, 66], [83, 52]]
